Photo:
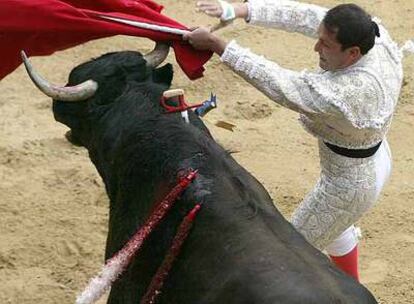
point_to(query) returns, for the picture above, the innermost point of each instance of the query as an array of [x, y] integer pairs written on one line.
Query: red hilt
[[182, 104]]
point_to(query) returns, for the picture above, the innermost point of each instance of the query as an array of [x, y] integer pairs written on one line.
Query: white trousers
[[349, 238], [327, 214]]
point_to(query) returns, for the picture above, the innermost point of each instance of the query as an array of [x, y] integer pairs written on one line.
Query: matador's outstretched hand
[[222, 9]]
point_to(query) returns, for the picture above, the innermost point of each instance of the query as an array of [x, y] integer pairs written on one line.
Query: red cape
[[42, 27]]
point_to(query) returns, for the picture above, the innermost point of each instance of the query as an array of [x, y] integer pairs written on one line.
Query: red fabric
[[41, 27], [348, 263]]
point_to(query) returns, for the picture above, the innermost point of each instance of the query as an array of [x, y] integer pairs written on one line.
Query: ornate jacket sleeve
[[312, 94], [287, 15]]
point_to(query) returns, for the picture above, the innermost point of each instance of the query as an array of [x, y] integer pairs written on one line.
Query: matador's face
[[331, 55]]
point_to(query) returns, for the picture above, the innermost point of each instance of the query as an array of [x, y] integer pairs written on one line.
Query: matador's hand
[[202, 39], [217, 8]]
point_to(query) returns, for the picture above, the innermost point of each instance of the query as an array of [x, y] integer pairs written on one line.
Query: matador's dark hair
[[353, 27]]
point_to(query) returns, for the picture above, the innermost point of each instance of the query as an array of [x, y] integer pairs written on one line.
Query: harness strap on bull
[[154, 288], [118, 263]]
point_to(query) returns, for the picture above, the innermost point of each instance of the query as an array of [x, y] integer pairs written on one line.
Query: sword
[[147, 26], [160, 28]]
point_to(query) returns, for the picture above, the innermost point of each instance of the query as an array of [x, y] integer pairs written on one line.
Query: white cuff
[[228, 11]]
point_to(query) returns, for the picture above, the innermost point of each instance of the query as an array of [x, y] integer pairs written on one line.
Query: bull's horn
[[78, 92], [157, 55]]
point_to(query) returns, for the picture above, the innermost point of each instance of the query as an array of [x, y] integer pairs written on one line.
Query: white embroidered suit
[[350, 108]]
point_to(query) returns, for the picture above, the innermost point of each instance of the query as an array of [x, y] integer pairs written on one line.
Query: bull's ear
[[163, 74]]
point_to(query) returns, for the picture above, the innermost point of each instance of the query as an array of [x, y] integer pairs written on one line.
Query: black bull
[[240, 250]]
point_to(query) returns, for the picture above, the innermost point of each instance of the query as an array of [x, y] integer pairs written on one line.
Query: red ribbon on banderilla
[[118, 263]]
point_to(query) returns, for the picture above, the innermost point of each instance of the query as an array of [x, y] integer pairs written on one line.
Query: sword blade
[[147, 26]]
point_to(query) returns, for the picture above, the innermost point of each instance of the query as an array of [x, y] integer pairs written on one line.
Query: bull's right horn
[[157, 55], [78, 92]]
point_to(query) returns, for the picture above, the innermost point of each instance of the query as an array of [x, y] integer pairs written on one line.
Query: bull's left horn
[[157, 55], [78, 92]]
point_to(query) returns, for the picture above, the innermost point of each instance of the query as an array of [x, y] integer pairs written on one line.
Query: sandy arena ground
[[53, 207]]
